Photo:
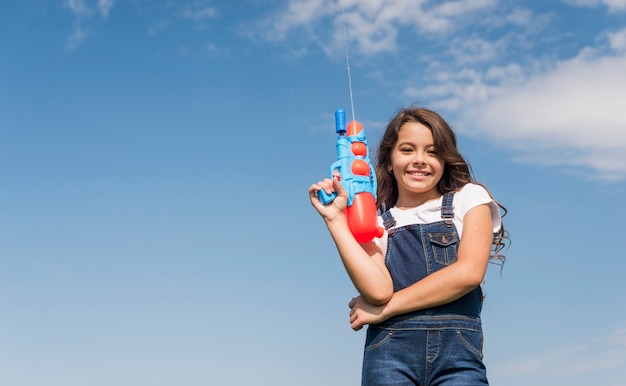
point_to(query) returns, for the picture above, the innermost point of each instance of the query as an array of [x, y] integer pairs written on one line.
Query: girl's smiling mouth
[[418, 174]]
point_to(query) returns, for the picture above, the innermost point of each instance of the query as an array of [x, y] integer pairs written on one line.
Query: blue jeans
[[425, 350]]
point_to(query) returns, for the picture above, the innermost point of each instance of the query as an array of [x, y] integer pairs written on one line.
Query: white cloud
[[573, 115], [373, 25], [299, 14], [520, 17], [618, 40], [460, 8], [473, 50], [81, 10], [570, 113]]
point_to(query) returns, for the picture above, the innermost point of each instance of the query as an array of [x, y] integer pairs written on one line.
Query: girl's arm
[[364, 263], [443, 286]]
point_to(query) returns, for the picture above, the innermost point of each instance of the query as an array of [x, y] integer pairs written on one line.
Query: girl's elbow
[[380, 297], [474, 279], [471, 275]]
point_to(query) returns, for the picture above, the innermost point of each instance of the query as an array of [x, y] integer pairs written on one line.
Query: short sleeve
[[473, 195]]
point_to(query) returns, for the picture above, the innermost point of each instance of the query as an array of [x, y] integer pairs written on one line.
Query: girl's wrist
[[336, 223], [387, 311], [338, 227]]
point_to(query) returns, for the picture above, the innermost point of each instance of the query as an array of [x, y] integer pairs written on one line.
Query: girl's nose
[[419, 158]]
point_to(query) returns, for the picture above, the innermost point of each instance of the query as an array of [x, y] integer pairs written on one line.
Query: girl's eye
[[432, 152], [406, 149]]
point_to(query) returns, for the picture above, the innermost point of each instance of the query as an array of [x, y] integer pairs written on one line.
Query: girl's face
[[416, 165]]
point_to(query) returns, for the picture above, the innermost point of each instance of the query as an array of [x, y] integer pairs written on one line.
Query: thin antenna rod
[[345, 39]]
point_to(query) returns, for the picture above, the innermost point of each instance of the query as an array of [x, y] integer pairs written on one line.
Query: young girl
[[419, 284]]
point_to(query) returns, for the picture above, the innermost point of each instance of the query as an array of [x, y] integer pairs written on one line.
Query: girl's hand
[[337, 208], [362, 313]]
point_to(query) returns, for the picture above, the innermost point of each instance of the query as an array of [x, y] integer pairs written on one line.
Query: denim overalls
[[436, 346]]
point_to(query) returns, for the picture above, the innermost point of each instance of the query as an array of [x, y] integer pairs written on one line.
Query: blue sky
[[155, 157]]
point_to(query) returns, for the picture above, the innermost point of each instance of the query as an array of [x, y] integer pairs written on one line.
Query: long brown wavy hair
[[456, 174]]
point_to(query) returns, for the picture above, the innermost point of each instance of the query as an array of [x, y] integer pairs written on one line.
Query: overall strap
[[390, 223], [447, 213]]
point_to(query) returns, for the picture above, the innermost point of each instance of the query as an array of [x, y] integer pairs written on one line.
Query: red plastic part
[[359, 149], [360, 168], [362, 218], [354, 128]]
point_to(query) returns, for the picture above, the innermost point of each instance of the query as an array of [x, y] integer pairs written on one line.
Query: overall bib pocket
[[444, 246]]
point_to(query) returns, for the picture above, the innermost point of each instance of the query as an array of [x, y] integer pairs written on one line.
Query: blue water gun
[[357, 177]]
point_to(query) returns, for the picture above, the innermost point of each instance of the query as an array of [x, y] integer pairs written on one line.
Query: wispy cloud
[[199, 13], [374, 26], [613, 5], [104, 6], [78, 8], [158, 26], [82, 14], [568, 364], [77, 36]]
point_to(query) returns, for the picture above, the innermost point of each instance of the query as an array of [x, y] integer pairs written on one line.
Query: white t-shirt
[[470, 196]]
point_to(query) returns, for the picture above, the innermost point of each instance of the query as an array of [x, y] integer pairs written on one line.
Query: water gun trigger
[[326, 198]]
